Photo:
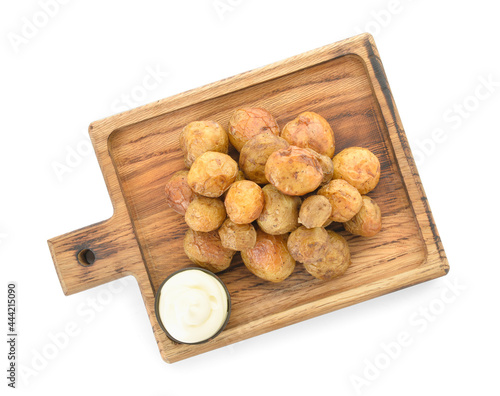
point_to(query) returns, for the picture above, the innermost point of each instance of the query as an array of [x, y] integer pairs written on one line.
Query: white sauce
[[193, 306]]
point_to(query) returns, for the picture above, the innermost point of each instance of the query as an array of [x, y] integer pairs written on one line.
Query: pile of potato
[[274, 206]]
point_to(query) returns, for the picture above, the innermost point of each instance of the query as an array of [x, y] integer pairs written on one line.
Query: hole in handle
[[86, 257]]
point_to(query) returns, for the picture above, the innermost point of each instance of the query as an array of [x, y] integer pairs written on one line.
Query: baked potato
[[244, 201], [239, 176], [269, 259], [205, 214], [280, 213], [335, 261], [205, 249], [310, 130], [256, 151], [368, 221], [294, 171], [315, 211], [248, 122], [198, 137], [357, 166], [178, 192], [326, 165], [237, 236], [212, 173], [308, 244], [346, 200]]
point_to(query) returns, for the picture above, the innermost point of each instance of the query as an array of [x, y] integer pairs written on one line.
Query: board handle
[[94, 255]]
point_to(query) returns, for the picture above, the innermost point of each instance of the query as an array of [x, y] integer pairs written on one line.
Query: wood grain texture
[[139, 150]]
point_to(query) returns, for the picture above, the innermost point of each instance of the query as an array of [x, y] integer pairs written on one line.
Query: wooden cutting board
[[139, 150]]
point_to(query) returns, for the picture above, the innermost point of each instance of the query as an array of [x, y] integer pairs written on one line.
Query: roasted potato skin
[[335, 261], [198, 137], [248, 122], [269, 259], [178, 192], [256, 151], [308, 244], [359, 167], [326, 165], [237, 236], [205, 214], [294, 171], [244, 202], [212, 173], [205, 249], [345, 199], [368, 221], [310, 130], [315, 211], [240, 176], [280, 213]]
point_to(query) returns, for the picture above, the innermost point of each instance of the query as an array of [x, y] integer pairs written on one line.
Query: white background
[[76, 67]]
